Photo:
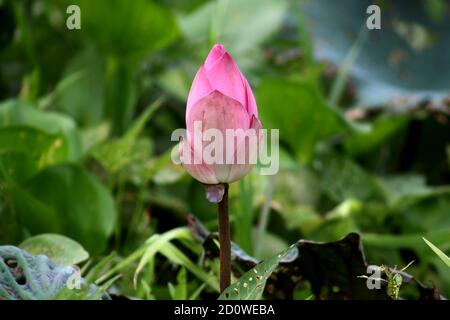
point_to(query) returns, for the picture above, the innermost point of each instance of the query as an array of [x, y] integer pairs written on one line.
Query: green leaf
[[176, 81], [161, 244], [406, 241], [59, 248], [155, 243], [94, 136], [299, 112], [334, 228], [24, 151], [403, 189], [123, 33], [343, 179], [43, 146], [127, 29], [115, 155], [251, 285], [144, 167], [243, 213], [66, 199], [120, 93], [378, 72], [81, 91], [382, 129], [436, 9], [15, 113], [297, 190], [272, 244], [94, 274], [440, 254], [174, 254], [179, 291], [426, 213]]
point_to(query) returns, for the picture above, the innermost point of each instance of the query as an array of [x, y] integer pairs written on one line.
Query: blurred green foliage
[[85, 123]]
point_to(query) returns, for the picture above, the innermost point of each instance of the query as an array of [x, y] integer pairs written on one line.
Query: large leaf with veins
[[407, 58]]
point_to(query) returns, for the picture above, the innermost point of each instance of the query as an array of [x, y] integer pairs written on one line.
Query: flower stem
[[225, 242]]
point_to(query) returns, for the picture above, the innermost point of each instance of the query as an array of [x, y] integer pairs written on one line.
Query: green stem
[[349, 60], [119, 200], [136, 217], [225, 242], [264, 218], [34, 77]]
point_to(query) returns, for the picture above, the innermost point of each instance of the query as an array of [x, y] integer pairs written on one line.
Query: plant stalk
[[264, 218], [225, 242]]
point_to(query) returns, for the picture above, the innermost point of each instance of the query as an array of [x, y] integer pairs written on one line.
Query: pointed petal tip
[[219, 47], [215, 54]]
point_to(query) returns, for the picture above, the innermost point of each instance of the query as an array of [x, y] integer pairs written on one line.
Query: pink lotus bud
[[223, 130]]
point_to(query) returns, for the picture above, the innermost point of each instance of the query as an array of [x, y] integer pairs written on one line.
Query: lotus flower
[[221, 98]]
